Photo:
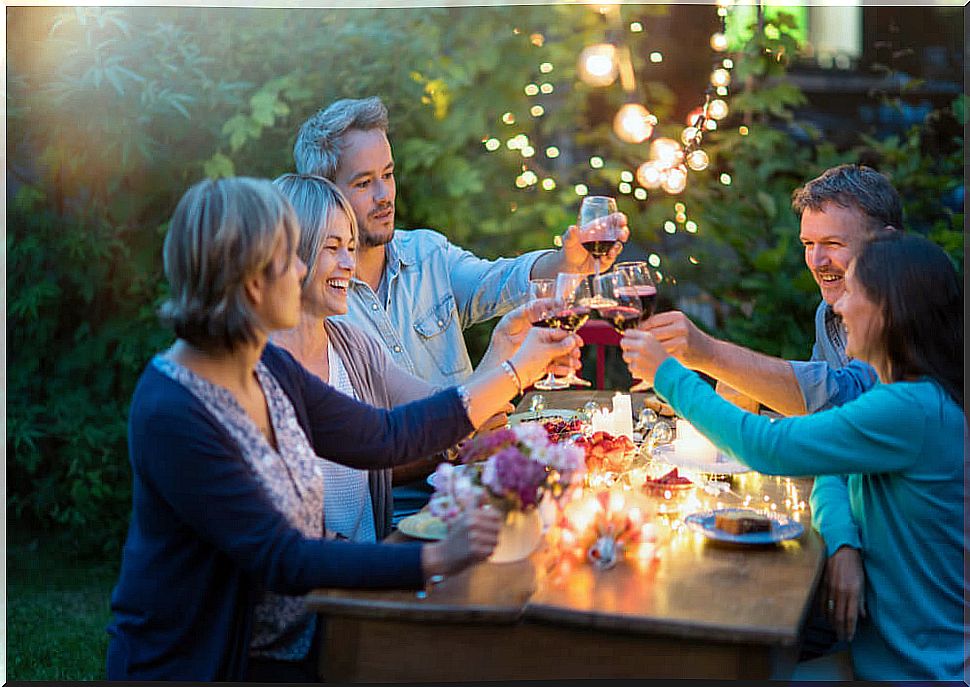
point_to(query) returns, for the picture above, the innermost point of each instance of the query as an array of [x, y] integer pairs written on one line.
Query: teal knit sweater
[[903, 445]]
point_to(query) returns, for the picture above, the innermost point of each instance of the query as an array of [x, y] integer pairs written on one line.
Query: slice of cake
[[742, 522]]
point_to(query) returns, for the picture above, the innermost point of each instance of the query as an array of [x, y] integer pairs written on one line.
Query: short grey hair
[[315, 200], [853, 186], [223, 232], [320, 140]]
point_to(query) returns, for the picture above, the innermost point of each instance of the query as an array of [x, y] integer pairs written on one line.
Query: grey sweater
[[379, 382]]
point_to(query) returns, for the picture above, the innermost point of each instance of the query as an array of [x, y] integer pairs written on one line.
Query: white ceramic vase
[[520, 535]]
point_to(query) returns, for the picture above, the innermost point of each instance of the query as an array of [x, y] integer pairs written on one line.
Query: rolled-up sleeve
[[485, 289], [823, 387]]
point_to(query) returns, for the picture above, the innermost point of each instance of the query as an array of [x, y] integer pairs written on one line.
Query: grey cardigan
[[379, 382]]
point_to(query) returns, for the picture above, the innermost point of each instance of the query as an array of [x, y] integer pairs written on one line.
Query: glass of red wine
[[549, 316], [597, 235], [573, 290], [626, 310], [638, 277]]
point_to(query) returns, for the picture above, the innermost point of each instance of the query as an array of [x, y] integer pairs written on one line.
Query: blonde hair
[[223, 232], [315, 200]]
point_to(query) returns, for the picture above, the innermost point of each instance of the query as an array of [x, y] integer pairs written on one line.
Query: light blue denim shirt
[[830, 378], [434, 291]]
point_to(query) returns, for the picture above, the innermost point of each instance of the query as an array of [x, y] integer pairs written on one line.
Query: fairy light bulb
[[667, 152], [597, 64], [694, 114], [720, 78], [698, 160], [632, 123], [649, 175], [676, 180], [718, 109], [719, 42], [689, 135]]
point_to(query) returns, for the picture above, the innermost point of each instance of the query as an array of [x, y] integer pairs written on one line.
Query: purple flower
[[514, 476]]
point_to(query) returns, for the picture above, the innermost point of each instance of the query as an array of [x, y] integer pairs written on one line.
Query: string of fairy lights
[[668, 162]]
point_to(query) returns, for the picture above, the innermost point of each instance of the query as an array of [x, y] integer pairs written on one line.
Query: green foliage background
[[113, 113]]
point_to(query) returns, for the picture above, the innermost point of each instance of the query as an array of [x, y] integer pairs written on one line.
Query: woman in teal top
[[901, 442]]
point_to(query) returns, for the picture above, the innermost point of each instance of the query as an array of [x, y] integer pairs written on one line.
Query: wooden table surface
[[703, 609]]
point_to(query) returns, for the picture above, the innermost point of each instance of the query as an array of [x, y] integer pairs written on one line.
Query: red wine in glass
[[622, 317], [572, 319], [549, 322], [598, 248]]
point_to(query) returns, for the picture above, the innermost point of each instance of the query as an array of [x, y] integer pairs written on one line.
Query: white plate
[[782, 528], [542, 415], [423, 525], [722, 466]]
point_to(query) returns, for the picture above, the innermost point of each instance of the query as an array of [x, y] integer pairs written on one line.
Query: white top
[[347, 504]]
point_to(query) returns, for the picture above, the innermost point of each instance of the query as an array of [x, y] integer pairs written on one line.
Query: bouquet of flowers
[[513, 468]]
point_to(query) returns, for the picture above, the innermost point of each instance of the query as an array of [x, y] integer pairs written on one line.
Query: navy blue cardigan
[[204, 541]]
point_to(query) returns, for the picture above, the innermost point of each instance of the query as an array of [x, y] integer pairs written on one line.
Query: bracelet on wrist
[[466, 400], [513, 373]]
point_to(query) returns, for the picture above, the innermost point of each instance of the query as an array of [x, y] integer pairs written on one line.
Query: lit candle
[[623, 415], [691, 442]]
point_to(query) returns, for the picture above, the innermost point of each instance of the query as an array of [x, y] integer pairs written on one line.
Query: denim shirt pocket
[[439, 331]]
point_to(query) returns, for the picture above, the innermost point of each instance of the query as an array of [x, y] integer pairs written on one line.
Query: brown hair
[[222, 233]]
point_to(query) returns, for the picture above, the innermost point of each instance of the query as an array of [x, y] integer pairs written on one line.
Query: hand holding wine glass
[[597, 234], [572, 290], [638, 277], [546, 313]]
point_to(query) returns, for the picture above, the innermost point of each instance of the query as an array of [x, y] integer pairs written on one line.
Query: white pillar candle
[[623, 414], [693, 444]]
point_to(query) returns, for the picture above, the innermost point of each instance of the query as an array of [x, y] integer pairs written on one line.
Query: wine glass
[[573, 290], [643, 283], [626, 310], [597, 235], [639, 277], [548, 315]]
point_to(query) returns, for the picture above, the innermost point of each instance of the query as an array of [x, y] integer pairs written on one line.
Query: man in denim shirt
[[838, 211], [414, 291]]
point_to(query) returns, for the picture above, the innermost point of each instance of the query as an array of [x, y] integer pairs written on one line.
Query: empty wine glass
[[548, 315], [639, 276], [573, 291], [597, 234]]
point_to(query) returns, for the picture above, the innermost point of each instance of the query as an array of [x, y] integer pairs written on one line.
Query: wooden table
[[702, 610]]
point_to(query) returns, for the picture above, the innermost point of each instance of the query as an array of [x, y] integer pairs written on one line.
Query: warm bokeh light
[[649, 175], [492, 144], [676, 180], [508, 118], [698, 160], [597, 64], [718, 109], [667, 152], [581, 189], [596, 162], [719, 42], [689, 135], [720, 77], [632, 123]]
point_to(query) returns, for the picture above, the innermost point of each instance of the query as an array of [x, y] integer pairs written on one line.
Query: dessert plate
[[782, 528], [423, 525]]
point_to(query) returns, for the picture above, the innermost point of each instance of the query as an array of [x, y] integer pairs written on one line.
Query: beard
[[372, 234], [373, 239]]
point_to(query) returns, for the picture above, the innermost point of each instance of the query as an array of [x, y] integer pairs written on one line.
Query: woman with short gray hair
[[224, 428]]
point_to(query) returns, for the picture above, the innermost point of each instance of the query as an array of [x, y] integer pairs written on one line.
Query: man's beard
[[369, 239]]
